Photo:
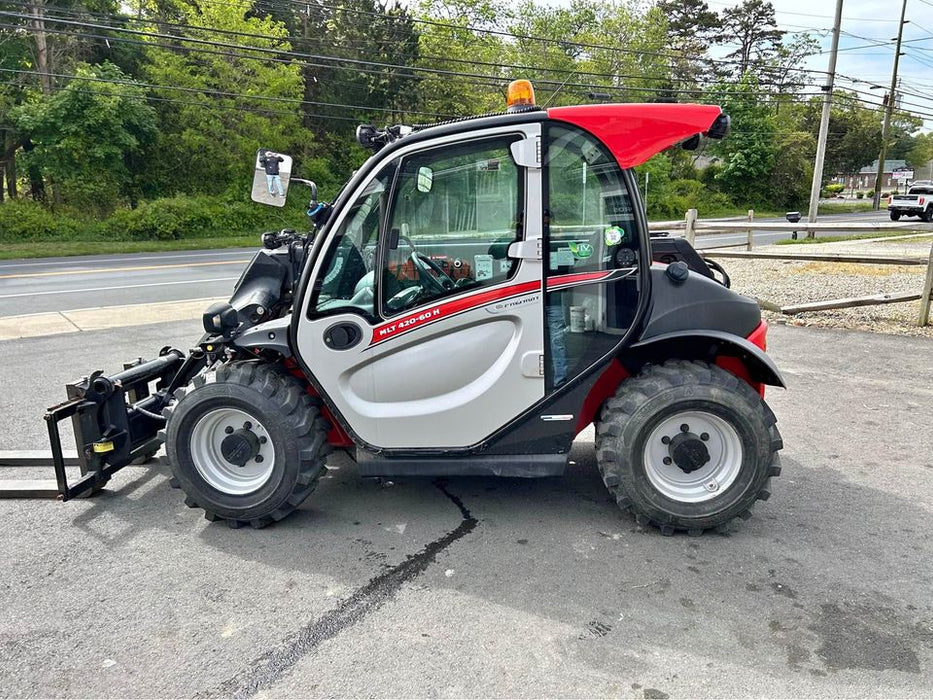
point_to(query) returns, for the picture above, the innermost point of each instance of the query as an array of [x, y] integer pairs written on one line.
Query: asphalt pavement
[[57, 284], [60, 284], [483, 586]]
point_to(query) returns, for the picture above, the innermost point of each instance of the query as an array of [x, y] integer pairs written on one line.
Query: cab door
[[426, 326]]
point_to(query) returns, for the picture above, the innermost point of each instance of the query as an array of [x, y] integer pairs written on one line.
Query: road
[[58, 284], [489, 587]]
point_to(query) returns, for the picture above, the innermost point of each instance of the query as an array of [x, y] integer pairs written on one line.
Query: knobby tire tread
[[618, 410]]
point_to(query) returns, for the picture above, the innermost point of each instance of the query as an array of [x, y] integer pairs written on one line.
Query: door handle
[[342, 336]]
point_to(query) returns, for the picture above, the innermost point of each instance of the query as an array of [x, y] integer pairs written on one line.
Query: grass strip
[[46, 249]]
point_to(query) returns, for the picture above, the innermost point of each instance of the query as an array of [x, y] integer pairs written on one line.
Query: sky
[[872, 22], [866, 46]]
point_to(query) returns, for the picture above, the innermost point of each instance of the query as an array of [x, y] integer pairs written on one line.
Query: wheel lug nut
[[666, 440], [258, 458], [263, 440], [685, 428], [247, 425], [704, 436], [667, 460], [228, 429]]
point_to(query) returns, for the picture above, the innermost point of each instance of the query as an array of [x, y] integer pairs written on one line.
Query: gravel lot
[[784, 282]]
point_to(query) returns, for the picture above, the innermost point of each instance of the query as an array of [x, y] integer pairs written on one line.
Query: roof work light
[[520, 96]]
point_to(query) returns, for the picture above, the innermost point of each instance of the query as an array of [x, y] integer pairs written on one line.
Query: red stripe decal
[[417, 319], [577, 278]]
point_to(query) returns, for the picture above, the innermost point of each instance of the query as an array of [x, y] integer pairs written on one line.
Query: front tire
[[687, 446], [246, 443]]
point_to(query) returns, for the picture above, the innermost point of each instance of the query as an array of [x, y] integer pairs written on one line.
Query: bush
[[833, 189], [168, 219], [180, 217], [680, 195], [859, 195], [24, 220]]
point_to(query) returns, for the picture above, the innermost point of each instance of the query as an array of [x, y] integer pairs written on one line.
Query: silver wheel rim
[[710, 480], [225, 476]]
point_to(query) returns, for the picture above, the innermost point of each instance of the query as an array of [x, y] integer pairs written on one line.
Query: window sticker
[[581, 250], [483, 267], [562, 258], [614, 235]]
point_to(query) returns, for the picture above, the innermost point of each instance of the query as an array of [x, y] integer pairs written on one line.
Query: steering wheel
[[425, 266]]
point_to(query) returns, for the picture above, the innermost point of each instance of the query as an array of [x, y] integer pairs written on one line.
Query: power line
[[220, 93], [497, 32], [297, 40], [319, 57], [236, 108], [475, 79], [279, 52]]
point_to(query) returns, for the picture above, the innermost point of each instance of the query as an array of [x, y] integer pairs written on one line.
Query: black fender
[[271, 335], [705, 345]]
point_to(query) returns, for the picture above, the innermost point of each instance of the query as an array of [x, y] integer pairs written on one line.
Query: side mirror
[[425, 179], [272, 172]]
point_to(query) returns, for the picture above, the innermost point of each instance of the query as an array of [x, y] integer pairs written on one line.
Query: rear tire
[[926, 215], [246, 443], [895, 215], [721, 469]]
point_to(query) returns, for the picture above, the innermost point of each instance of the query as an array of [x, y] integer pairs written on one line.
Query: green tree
[[691, 28], [751, 27], [788, 183], [87, 139], [450, 43], [920, 155], [854, 132], [229, 105], [376, 80], [748, 153]]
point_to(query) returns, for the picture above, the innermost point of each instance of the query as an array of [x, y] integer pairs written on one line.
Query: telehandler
[[480, 292]]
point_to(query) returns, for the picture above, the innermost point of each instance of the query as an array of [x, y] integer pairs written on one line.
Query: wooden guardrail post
[[925, 300], [751, 234], [689, 223]]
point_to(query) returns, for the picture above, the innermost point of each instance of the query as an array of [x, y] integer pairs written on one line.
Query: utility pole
[[42, 49], [876, 200], [816, 185]]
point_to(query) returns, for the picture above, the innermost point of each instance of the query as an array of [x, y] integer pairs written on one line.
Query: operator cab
[[477, 266], [474, 268]]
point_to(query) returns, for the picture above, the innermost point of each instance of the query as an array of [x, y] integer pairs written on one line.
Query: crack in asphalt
[[274, 664]]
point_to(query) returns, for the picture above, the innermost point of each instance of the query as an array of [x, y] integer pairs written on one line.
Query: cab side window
[[348, 280], [592, 221], [456, 209], [590, 227]]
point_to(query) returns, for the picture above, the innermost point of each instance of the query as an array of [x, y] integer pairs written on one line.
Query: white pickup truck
[[917, 202]]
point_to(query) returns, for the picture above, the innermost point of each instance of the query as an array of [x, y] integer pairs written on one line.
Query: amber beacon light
[[520, 96]]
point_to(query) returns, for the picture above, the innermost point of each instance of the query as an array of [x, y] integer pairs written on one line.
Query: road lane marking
[[128, 257], [99, 318], [136, 268], [105, 289]]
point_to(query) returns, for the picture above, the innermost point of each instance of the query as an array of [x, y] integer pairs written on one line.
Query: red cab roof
[[636, 132]]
